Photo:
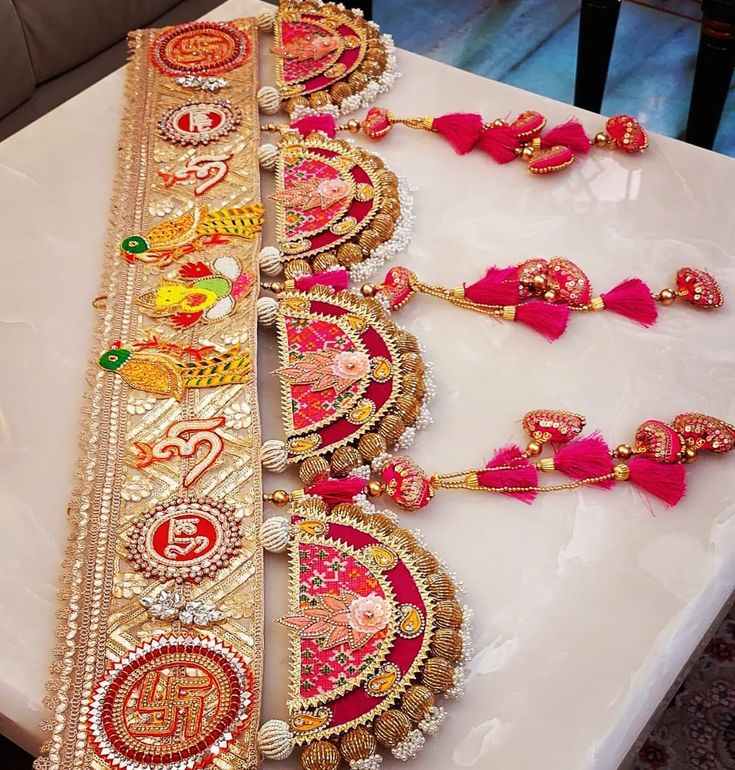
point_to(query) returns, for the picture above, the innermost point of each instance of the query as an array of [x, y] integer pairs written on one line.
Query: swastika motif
[[174, 702], [200, 48]]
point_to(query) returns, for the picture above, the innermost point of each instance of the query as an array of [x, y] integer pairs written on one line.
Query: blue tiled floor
[[532, 44]]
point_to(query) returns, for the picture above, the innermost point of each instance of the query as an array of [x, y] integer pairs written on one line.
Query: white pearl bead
[[274, 534], [275, 740], [267, 311], [273, 456], [268, 100], [270, 260], [265, 20], [268, 156]]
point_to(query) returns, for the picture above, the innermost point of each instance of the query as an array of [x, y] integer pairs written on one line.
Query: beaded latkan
[[352, 383], [378, 636], [337, 205], [328, 55]]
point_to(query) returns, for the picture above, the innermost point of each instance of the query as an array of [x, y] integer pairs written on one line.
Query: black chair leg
[[713, 72], [597, 22]]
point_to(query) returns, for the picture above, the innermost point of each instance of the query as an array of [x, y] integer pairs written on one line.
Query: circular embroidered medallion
[[185, 538], [174, 703], [197, 123], [199, 48]]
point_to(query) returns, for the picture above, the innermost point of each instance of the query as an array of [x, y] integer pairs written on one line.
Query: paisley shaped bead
[[553, 159], [702, 432], [568, 282]]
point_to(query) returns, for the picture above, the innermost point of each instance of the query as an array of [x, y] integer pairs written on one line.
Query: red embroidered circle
[[197, 123], [174, 702], [199, 48], [186, 538]]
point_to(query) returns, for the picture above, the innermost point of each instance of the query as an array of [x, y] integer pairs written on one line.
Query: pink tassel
[[336, 491], [461, 129], [500, 286], [337, 279], [548, 320], [500, 143], [570, 134], [632, 299], [665, 481], [509, 467], [310, 123], [585, 458]]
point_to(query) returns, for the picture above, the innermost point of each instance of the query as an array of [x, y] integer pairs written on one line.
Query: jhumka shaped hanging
[[353, 384], [373, 648]]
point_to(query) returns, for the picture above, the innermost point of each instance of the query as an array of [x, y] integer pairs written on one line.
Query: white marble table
[[587, 605]]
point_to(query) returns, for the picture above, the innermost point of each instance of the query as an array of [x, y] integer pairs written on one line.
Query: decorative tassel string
[[655, 463], [542, 295], [523, 137]]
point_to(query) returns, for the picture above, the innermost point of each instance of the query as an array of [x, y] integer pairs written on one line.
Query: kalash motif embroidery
[[353, 384], [378, 637], [202, 293], [160, 654]]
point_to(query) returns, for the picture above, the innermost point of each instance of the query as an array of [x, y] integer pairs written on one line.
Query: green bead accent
[[135, 244], [113, 359]]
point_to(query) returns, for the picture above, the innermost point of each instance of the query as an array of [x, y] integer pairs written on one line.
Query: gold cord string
[[425, 123], [470, 481], [495, 311]]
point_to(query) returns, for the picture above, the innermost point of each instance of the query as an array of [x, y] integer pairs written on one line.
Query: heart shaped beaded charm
[[568, 282], [528, 125], [626, 133], [701, 431], [660, 442], [698, 287], [376, 123], [551, 425], [553, 159], [397, 287]]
